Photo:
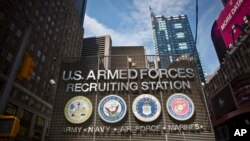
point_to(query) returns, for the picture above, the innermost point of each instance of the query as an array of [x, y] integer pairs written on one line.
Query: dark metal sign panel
[[223, 102], [128, 104]]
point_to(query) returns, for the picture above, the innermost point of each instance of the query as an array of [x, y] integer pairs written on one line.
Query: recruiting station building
[[135, 103]]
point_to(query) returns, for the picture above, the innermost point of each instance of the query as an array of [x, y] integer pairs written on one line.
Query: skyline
[[128, 23]]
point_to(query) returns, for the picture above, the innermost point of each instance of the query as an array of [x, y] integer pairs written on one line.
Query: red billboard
[[232, 20]]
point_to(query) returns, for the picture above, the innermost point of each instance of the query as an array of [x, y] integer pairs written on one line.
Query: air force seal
[[146, 107], [78, 109], [180, 107], [112, 108]]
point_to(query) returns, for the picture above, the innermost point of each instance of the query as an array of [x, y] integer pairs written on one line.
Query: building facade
[[96, 46], [119, 104], [123, 56], [56, 32], [228, 92], [81, 8], [172, 36]]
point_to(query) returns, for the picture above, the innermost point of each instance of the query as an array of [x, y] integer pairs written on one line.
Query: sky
[[128, 23]]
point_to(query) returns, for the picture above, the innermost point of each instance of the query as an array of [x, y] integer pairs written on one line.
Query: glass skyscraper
[[172, 38]]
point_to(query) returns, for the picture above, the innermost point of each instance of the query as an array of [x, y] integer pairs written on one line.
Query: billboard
[[232, 19], [223, 102]]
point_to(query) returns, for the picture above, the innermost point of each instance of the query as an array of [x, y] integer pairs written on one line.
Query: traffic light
[[9, 126], [26, 68]]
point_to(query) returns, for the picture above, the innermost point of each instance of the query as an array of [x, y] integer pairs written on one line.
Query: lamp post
[[14, 70]]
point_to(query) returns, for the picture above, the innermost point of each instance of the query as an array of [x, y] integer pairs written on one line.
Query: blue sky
[[128, 23]]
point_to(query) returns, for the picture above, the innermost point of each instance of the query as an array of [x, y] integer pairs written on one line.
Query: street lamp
[[52, 82]]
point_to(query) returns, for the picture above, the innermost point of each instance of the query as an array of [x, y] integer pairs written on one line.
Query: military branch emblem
[[78, 109], [180, 107], [146, 108], [112, 108]]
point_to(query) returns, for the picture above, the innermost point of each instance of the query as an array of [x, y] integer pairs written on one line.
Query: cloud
[[132, 37], [135, 25], [171, 7], [119, 37]]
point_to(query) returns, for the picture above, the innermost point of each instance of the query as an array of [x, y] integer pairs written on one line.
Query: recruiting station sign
[[143, 104], [231, 19]]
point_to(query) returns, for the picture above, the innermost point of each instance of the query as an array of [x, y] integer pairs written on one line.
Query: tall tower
[[172, 38]]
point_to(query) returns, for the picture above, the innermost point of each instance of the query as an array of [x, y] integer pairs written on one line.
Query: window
[[32, 47], [12, 26], [169, 48], [24, 123], [44, 83], [38, 53], [37, 12], [49, 19], [10, 109], [38, 27], [180, 35], [171, 59], [177, 25], [8, 3], [9, 57], [182, 45], [33, 75], [30, 4], [43, 58], [38, 78], [46, 26], [13, 43], [175, 18], [18, 33], [41, 19], [39, 121], [2, 16], [53, 5]]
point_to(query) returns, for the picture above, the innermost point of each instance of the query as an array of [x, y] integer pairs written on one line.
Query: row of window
[[25, 119]]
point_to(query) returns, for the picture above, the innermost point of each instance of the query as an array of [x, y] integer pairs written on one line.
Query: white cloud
[[135, 26], [171, 7], [123, 37]]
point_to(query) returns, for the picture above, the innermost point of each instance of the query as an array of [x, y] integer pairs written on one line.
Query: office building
[[124, 56], [228, 92], [226, 35], [81, 8], [96, 46], [56, 32], [172, 36]]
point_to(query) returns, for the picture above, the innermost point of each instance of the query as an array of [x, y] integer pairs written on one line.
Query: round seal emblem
[[180, 107], [78, 109], [146, 108], [112, 108]]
